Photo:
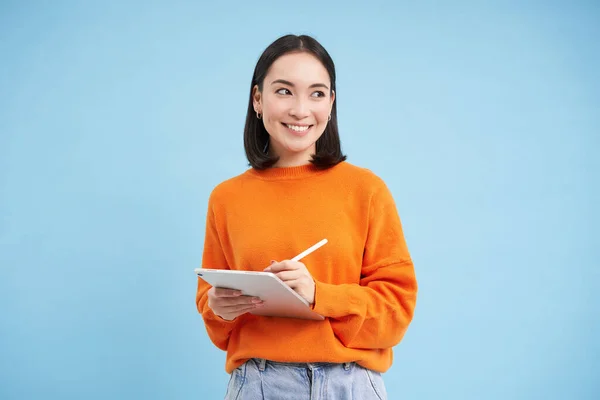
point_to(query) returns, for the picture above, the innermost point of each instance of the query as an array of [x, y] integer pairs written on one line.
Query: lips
[[298, 130]]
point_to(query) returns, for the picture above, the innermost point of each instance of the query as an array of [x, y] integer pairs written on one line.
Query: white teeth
[[297, 128]]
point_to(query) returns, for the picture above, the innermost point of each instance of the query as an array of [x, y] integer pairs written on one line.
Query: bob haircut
[[256, 138]]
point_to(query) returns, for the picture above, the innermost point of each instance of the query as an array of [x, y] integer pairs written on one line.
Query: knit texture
[[364, 276]]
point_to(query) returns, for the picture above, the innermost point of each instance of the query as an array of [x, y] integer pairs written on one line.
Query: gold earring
[[258, 115]]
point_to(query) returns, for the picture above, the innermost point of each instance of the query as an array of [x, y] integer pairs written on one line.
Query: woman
[[300, 190]]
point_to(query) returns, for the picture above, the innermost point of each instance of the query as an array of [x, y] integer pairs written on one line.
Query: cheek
[[273, 109], [322, 113]]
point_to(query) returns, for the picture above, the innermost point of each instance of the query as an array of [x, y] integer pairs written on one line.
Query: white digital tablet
[[279, 299]]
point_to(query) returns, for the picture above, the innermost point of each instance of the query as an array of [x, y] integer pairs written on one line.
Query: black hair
[[328, 147]]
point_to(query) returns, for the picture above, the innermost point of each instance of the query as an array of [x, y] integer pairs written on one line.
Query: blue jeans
[[260, 379]]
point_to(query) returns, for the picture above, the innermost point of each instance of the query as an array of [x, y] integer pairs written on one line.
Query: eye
[[283, 91], [318, 93]]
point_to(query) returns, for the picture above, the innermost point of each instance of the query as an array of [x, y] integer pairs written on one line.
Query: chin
[[299, 149]]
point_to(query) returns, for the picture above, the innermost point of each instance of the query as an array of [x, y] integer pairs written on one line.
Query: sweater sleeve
[[376, 312], [218, 329]]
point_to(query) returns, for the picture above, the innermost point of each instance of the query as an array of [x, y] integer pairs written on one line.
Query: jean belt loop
[[262, 364]]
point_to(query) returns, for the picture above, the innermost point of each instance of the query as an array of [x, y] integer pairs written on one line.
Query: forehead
[[298, 68]]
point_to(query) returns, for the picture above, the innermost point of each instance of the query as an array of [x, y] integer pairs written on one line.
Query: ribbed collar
[[286, 173]]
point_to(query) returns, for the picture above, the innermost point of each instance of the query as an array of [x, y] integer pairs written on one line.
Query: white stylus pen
[[309, 250]]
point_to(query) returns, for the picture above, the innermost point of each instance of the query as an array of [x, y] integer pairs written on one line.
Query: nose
[[300, 109]]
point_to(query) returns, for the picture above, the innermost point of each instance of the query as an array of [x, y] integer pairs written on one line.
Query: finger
[[236, 301], [282, 266], [230, 316], [295, 283], [268, 269], [240, 309], [224, 292], [289, 275]]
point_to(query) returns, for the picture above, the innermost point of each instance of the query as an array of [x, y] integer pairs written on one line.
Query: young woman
[[299, 190]]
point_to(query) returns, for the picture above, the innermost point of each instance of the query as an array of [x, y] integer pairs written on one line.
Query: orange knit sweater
[[364, 277]]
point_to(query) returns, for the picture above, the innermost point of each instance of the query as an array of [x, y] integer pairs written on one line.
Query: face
[[295, 104]]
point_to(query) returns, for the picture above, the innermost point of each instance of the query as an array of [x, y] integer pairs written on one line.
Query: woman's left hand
[[296, 276]]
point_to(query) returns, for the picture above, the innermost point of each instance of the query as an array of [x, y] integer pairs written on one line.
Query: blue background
[[117, 120]]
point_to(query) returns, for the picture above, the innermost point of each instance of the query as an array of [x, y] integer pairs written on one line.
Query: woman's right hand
[[230, 304]]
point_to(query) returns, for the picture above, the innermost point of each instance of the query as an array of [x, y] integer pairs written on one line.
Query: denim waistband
[[261, 363]]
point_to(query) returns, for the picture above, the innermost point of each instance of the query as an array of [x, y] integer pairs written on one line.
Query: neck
[[294, 159]]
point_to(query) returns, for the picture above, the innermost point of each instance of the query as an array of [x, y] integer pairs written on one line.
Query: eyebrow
[[284, 82]]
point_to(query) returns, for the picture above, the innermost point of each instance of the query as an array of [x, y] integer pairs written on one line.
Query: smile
[[297, 128]]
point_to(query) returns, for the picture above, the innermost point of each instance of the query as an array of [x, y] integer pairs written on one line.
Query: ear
[[257, 99], [332, 100]]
